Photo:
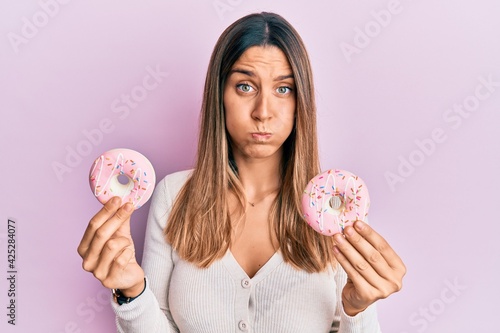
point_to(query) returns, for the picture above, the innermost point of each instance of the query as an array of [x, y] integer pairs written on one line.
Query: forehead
[[269, 57]]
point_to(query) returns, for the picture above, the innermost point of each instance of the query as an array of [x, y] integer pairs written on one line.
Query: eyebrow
[[252, 74]]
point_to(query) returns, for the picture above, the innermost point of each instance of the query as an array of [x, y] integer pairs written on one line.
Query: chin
[[262, 152]]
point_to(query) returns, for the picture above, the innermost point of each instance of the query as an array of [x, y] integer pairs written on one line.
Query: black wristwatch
[[120, 299]]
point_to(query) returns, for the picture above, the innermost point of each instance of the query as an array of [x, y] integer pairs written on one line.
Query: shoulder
[[164, 195], [172, 183]]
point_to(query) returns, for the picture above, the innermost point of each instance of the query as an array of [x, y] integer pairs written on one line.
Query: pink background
[[63, 75]]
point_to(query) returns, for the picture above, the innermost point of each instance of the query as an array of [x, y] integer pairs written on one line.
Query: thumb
[[125, 214]]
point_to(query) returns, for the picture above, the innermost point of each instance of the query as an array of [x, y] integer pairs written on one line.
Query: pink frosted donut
[[124, 173], [333, 200]]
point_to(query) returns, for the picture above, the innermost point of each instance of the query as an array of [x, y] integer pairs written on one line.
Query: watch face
[[119, 298], [115, 295]]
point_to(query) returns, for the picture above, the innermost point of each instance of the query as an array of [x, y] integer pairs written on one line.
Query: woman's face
[[259, 103]]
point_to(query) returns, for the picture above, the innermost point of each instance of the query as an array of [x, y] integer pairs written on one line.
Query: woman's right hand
[[107, 249]]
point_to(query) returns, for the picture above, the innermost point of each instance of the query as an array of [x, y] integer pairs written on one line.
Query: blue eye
[[244, 87], [283, 90]]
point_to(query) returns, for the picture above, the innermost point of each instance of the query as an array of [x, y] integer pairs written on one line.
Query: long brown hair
[[199, 227]]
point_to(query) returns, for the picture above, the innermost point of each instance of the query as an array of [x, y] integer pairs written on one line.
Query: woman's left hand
[[374, 270]]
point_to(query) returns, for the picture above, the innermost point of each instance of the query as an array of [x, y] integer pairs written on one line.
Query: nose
[[262, 108]]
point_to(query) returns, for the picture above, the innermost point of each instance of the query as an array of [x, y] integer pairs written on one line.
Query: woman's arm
[[373, 269], [363, 322], [150, 312]]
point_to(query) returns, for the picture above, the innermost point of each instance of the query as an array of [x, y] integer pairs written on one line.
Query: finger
[[368, 252], [104, 233], [381, 245], [359, 282], [112, 249], [124, 259], [95, 223], [125, 270], [355, 265]]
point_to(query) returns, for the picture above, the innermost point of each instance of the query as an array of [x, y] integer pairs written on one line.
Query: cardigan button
[[243, 326], [245, 283]]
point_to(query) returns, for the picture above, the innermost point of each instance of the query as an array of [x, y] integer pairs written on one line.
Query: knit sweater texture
[[180, 297]]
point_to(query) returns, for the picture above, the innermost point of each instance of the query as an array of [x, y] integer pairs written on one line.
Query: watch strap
[[121, 299]]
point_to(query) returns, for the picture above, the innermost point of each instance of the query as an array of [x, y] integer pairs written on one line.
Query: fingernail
[[336, 250], [348, 231], [128, 207], [116, 201], [359, 225], [338, 238]]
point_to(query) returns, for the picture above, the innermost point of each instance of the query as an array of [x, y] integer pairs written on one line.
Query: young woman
[[226, 247]]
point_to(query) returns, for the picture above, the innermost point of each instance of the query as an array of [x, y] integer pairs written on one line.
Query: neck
[[259, 177]]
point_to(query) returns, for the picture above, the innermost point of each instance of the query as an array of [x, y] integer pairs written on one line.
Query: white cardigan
[[180, 297]]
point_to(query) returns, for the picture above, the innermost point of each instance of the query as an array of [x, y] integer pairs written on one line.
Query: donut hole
[[121, 185], [124, 180], [336, 202]]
